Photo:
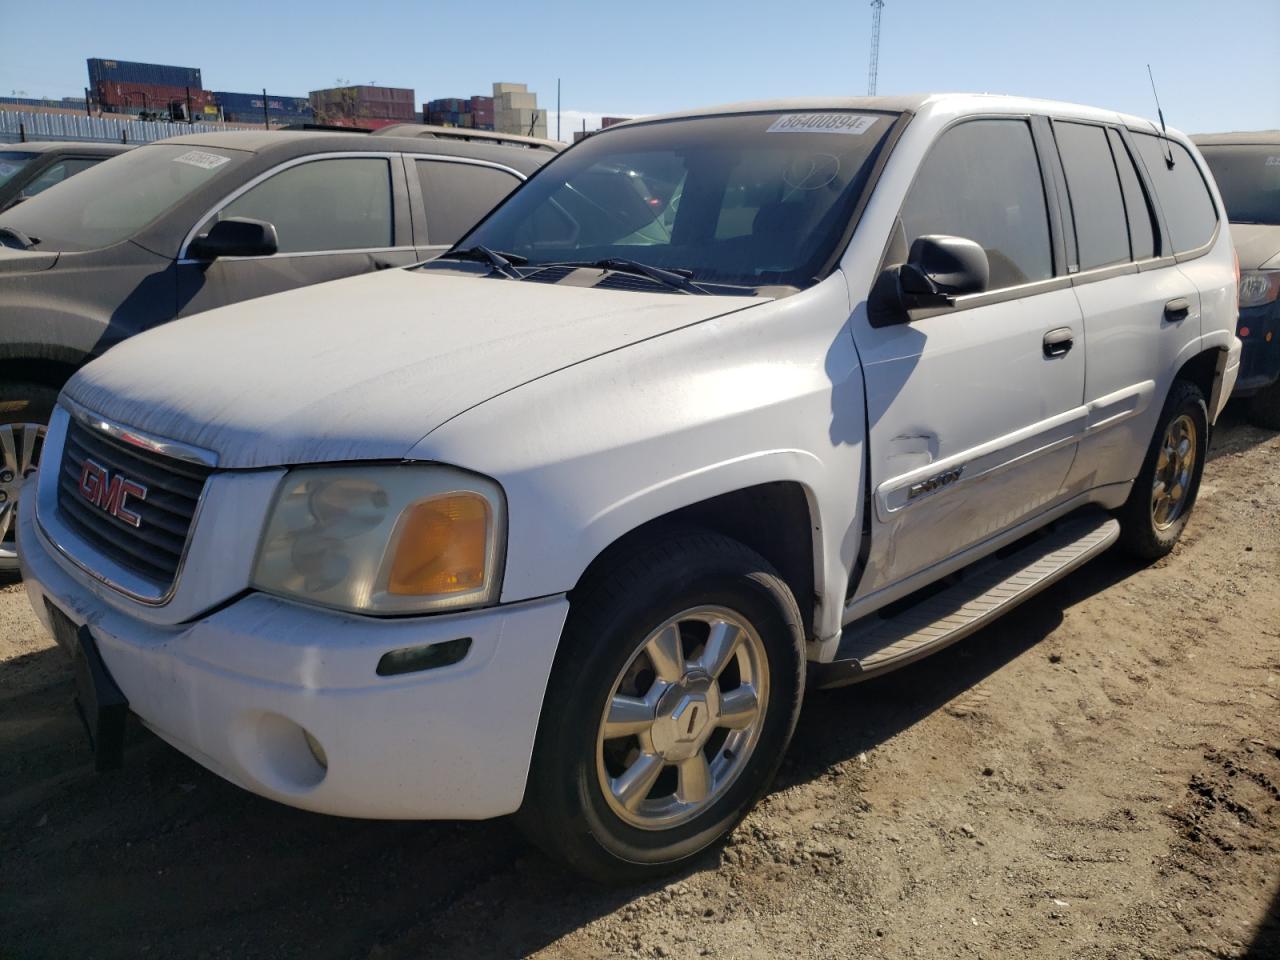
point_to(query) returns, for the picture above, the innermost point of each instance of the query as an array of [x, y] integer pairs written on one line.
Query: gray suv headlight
[[403, 538]]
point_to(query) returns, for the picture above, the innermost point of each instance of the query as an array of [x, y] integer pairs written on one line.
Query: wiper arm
[[503, 263], [24, 242], [676, 280]]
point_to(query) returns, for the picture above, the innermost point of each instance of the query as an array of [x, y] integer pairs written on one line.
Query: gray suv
[[191, 223]]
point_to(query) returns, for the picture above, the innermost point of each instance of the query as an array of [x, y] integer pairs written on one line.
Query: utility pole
[[876, 7], [266, 115], [557, 108]]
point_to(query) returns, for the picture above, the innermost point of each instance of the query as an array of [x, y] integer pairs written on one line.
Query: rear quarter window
[[1183, 194]]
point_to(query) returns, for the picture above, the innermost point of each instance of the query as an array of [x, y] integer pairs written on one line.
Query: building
[[364, 105], [473, 112], [515, 110], [604, 122], [610, 121]]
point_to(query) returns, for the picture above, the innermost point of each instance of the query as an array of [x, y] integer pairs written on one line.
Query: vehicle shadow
[[1266, 942], [166, 857], [1234, 433]]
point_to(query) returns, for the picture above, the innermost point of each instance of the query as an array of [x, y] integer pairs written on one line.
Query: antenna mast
[[876, 7]]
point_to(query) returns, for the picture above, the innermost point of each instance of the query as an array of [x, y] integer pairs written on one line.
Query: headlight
[[1259, 287], [384, 539]]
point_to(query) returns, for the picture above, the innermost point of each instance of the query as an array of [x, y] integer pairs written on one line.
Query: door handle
[[1058, 343], [1177, 310]]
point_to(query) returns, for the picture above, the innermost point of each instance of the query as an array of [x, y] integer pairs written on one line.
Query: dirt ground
[[1096, 776]]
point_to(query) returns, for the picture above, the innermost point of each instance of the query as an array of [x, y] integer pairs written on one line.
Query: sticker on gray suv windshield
[[205, 161], [821, 123]]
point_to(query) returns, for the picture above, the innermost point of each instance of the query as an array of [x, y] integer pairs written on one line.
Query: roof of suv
[[907, 102], [286, 144], [87, 147], [1265, 137], [467, 134]]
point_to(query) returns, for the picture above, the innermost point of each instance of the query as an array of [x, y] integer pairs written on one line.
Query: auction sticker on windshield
[[198, 158], [821, 123]]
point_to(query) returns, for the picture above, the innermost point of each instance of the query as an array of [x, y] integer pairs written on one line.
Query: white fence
[[17, 125]]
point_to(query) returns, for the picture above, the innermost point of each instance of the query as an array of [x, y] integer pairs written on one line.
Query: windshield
[[111, 201], [11, 161], [1248, 177], [750, 199]]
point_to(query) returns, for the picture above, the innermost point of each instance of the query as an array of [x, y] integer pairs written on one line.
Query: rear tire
[[1156, 513], [1264, 407], [25, 409], [716, 725]]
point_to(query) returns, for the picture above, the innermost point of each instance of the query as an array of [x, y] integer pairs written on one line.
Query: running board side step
[[874, 645]]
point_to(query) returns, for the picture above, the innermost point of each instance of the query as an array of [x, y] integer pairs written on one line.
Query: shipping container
[[126, 71], [248, 102], [132, 97]]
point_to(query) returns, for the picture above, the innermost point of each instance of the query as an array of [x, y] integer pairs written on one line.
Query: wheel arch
[[776, 518], [1206, 370]]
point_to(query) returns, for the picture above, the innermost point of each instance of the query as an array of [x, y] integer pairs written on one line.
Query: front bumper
[[235, 689], [1260, 356]]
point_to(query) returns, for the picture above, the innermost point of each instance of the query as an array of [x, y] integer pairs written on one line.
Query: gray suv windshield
[[113, 200], [753, 199]]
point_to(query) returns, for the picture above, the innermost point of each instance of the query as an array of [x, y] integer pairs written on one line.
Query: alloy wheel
[[20, 445], [1175, 466], [683, 718]]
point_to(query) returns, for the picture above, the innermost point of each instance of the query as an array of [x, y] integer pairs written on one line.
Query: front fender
[[591, 452]]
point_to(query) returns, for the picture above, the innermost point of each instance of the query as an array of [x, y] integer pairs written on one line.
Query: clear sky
[[1215, 62]]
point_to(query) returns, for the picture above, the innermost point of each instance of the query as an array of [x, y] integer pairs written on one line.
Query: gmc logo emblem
[[111, 493]]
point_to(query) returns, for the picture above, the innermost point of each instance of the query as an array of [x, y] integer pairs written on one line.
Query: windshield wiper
[[12, 233], [675, 279], [503, 263]]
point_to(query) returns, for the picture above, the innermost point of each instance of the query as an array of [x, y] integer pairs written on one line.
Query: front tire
[[675, 693], [25, 409], [1156, 513]]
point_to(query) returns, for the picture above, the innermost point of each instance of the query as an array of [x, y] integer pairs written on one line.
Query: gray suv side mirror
[[235, 237]]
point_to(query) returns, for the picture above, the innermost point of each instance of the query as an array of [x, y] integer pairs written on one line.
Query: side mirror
[[235, 237], [938, 269]]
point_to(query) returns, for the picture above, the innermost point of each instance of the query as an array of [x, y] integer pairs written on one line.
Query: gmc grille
[[153, 549]]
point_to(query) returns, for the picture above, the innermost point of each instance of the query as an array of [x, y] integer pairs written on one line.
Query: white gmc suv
[[716, 406]]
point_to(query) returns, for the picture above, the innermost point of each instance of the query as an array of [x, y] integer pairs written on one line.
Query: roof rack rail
[[469, 134]]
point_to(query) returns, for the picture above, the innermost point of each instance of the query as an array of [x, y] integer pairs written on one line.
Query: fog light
[[427, 657]]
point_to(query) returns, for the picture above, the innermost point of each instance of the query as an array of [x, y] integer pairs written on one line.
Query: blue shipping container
[[248, 102], [126, 71]]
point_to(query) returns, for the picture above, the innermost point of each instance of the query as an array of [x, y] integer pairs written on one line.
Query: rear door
[[1141, 311], [336, 215], [450, 196], [973, 411]]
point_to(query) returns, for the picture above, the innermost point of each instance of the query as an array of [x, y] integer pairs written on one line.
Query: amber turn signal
[[442, 547]]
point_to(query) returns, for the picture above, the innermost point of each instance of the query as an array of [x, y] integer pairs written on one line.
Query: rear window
[[1248, 178], [1097, 206], [1184, 196], [457, 195], [113, 200]]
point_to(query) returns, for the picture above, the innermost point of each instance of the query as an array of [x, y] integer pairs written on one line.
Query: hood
[[362, 369], [1256, 243]]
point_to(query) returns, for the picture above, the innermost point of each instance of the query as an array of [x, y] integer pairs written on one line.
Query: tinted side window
[[1096, 204], [982, 181], [1142, 230], [55, 174], [1184, 197], [457, 195], [339, 204]]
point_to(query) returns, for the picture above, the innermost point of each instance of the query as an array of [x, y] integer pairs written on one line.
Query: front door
[[973, 413], [334, 216]]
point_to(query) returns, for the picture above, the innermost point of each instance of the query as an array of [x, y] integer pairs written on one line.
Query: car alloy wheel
[[683, 718], [20, 445], [1175, 467]]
